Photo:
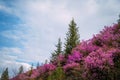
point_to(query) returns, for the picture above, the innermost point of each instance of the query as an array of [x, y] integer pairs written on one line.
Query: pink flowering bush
[[72, 71], [100, 64], [110, 36], [60, 59], [22, 76], [47, 68], [84, 49], [99, 59], [35, 73], [42, 71], [76, 56], [70, 66]]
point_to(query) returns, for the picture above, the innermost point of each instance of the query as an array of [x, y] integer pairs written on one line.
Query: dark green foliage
[[58, 50], [119, 19], [38, 65], [5, 75], [59, 47], [31, 71], [116, 69], [58, 74], [21, 70], [72, 37]]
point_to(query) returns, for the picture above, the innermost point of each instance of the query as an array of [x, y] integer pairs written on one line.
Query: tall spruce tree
[[58, 50], [72, 38], [5, 75]]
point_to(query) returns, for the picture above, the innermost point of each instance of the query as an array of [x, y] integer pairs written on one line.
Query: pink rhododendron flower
[[70, 66], [74, 57], [99, 59], [47, 67]]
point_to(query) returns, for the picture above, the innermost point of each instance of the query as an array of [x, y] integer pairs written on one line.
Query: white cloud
[[9, 54], [9, 57], [13, 34]]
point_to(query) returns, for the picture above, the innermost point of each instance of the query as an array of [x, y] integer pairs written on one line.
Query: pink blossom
[[70, 66], [74, 57], [47, 67]]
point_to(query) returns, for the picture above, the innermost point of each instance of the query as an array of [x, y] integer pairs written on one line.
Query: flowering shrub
[[110, 36], [85, 48], [100, 64], [70, 66], [47, 68], [60, 60], [99, 59], [74, 57], [72, 71], [35, 73]]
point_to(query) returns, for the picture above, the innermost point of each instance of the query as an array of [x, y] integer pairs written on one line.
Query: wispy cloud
[[9, 57]]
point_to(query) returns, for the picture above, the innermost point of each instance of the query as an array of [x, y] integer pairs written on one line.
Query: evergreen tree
[[58, 74], [58, 50], [59, 47], [5, 75], [72, 38], [119, 19], [21, 70], [38, 65], [31, 70]]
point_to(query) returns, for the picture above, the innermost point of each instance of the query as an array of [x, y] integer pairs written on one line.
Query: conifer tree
[[58, 50], [21, 70], [5, 75], [58, 74], [59, 47], [38, 65], [72, 38], [31, 70], [119, 19]]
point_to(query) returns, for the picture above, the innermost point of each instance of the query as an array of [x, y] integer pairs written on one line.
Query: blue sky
[[29, 29]]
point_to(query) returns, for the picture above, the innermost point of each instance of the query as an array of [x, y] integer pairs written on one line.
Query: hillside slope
[[95, 59]]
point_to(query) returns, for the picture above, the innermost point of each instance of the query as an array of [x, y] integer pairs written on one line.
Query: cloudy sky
[[29, 29]]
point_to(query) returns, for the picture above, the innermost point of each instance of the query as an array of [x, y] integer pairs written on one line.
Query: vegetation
[[57, 51], [21, 70], [72, 38], [119, 19], [95, 59], [58, 74], [5, 75]]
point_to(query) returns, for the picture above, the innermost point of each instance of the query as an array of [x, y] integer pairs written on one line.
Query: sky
[[29, 29]]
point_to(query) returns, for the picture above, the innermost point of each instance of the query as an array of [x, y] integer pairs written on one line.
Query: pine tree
[[31, 70], [21, 70], [58, 50], [38, 65], [5, 75], [59, 47], [72, 38], [119, 19]]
